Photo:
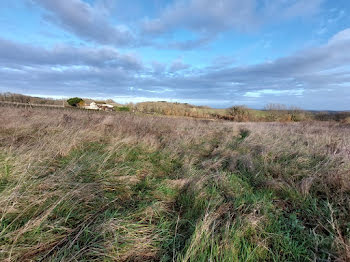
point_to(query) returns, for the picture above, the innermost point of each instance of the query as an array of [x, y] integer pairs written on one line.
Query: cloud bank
[[105, 72], [100, 63], [202, 18]]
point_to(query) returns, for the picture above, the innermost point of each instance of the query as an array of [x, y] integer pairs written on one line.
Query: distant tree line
[[18, 98]]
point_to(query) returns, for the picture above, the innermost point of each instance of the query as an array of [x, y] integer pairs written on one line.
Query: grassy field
[[88, 186]]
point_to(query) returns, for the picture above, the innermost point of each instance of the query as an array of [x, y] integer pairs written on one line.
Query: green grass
[[136, 192], [5, 172]]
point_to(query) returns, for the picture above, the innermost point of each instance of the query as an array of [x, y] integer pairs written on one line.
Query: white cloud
[[342, 36], [204, 18], [17, 54], [86, 21], [312, 77]]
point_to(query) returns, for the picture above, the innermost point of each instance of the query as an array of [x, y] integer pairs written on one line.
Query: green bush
[[74, 101], [122, 108]]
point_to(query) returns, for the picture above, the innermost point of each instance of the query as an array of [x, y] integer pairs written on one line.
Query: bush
[[239, 113], [122, 108], [74, 101]]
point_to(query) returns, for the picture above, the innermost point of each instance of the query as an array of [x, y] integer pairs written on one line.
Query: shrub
[[75, 101], [122, 108], [239, 113]]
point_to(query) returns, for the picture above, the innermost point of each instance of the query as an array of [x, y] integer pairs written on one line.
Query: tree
[[74, 101]]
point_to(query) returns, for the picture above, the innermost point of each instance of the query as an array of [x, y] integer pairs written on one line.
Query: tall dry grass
[[88, 186]]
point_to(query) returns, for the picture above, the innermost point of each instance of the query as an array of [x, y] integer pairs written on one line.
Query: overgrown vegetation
[[85, 186], [175, 109], [271, 113]]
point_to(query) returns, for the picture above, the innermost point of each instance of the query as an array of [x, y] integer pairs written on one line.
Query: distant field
[[84, 186]]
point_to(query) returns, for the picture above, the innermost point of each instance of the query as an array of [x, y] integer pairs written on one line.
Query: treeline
[[18, 98]]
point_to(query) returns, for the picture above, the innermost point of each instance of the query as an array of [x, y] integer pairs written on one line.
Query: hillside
[[85, 186]]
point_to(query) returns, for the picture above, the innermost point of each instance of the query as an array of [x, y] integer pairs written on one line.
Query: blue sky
[[218, 53]]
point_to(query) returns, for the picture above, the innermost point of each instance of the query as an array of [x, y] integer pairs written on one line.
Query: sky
[[218, 53]]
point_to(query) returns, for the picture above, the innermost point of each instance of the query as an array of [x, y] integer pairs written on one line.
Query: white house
[[92, 106]]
